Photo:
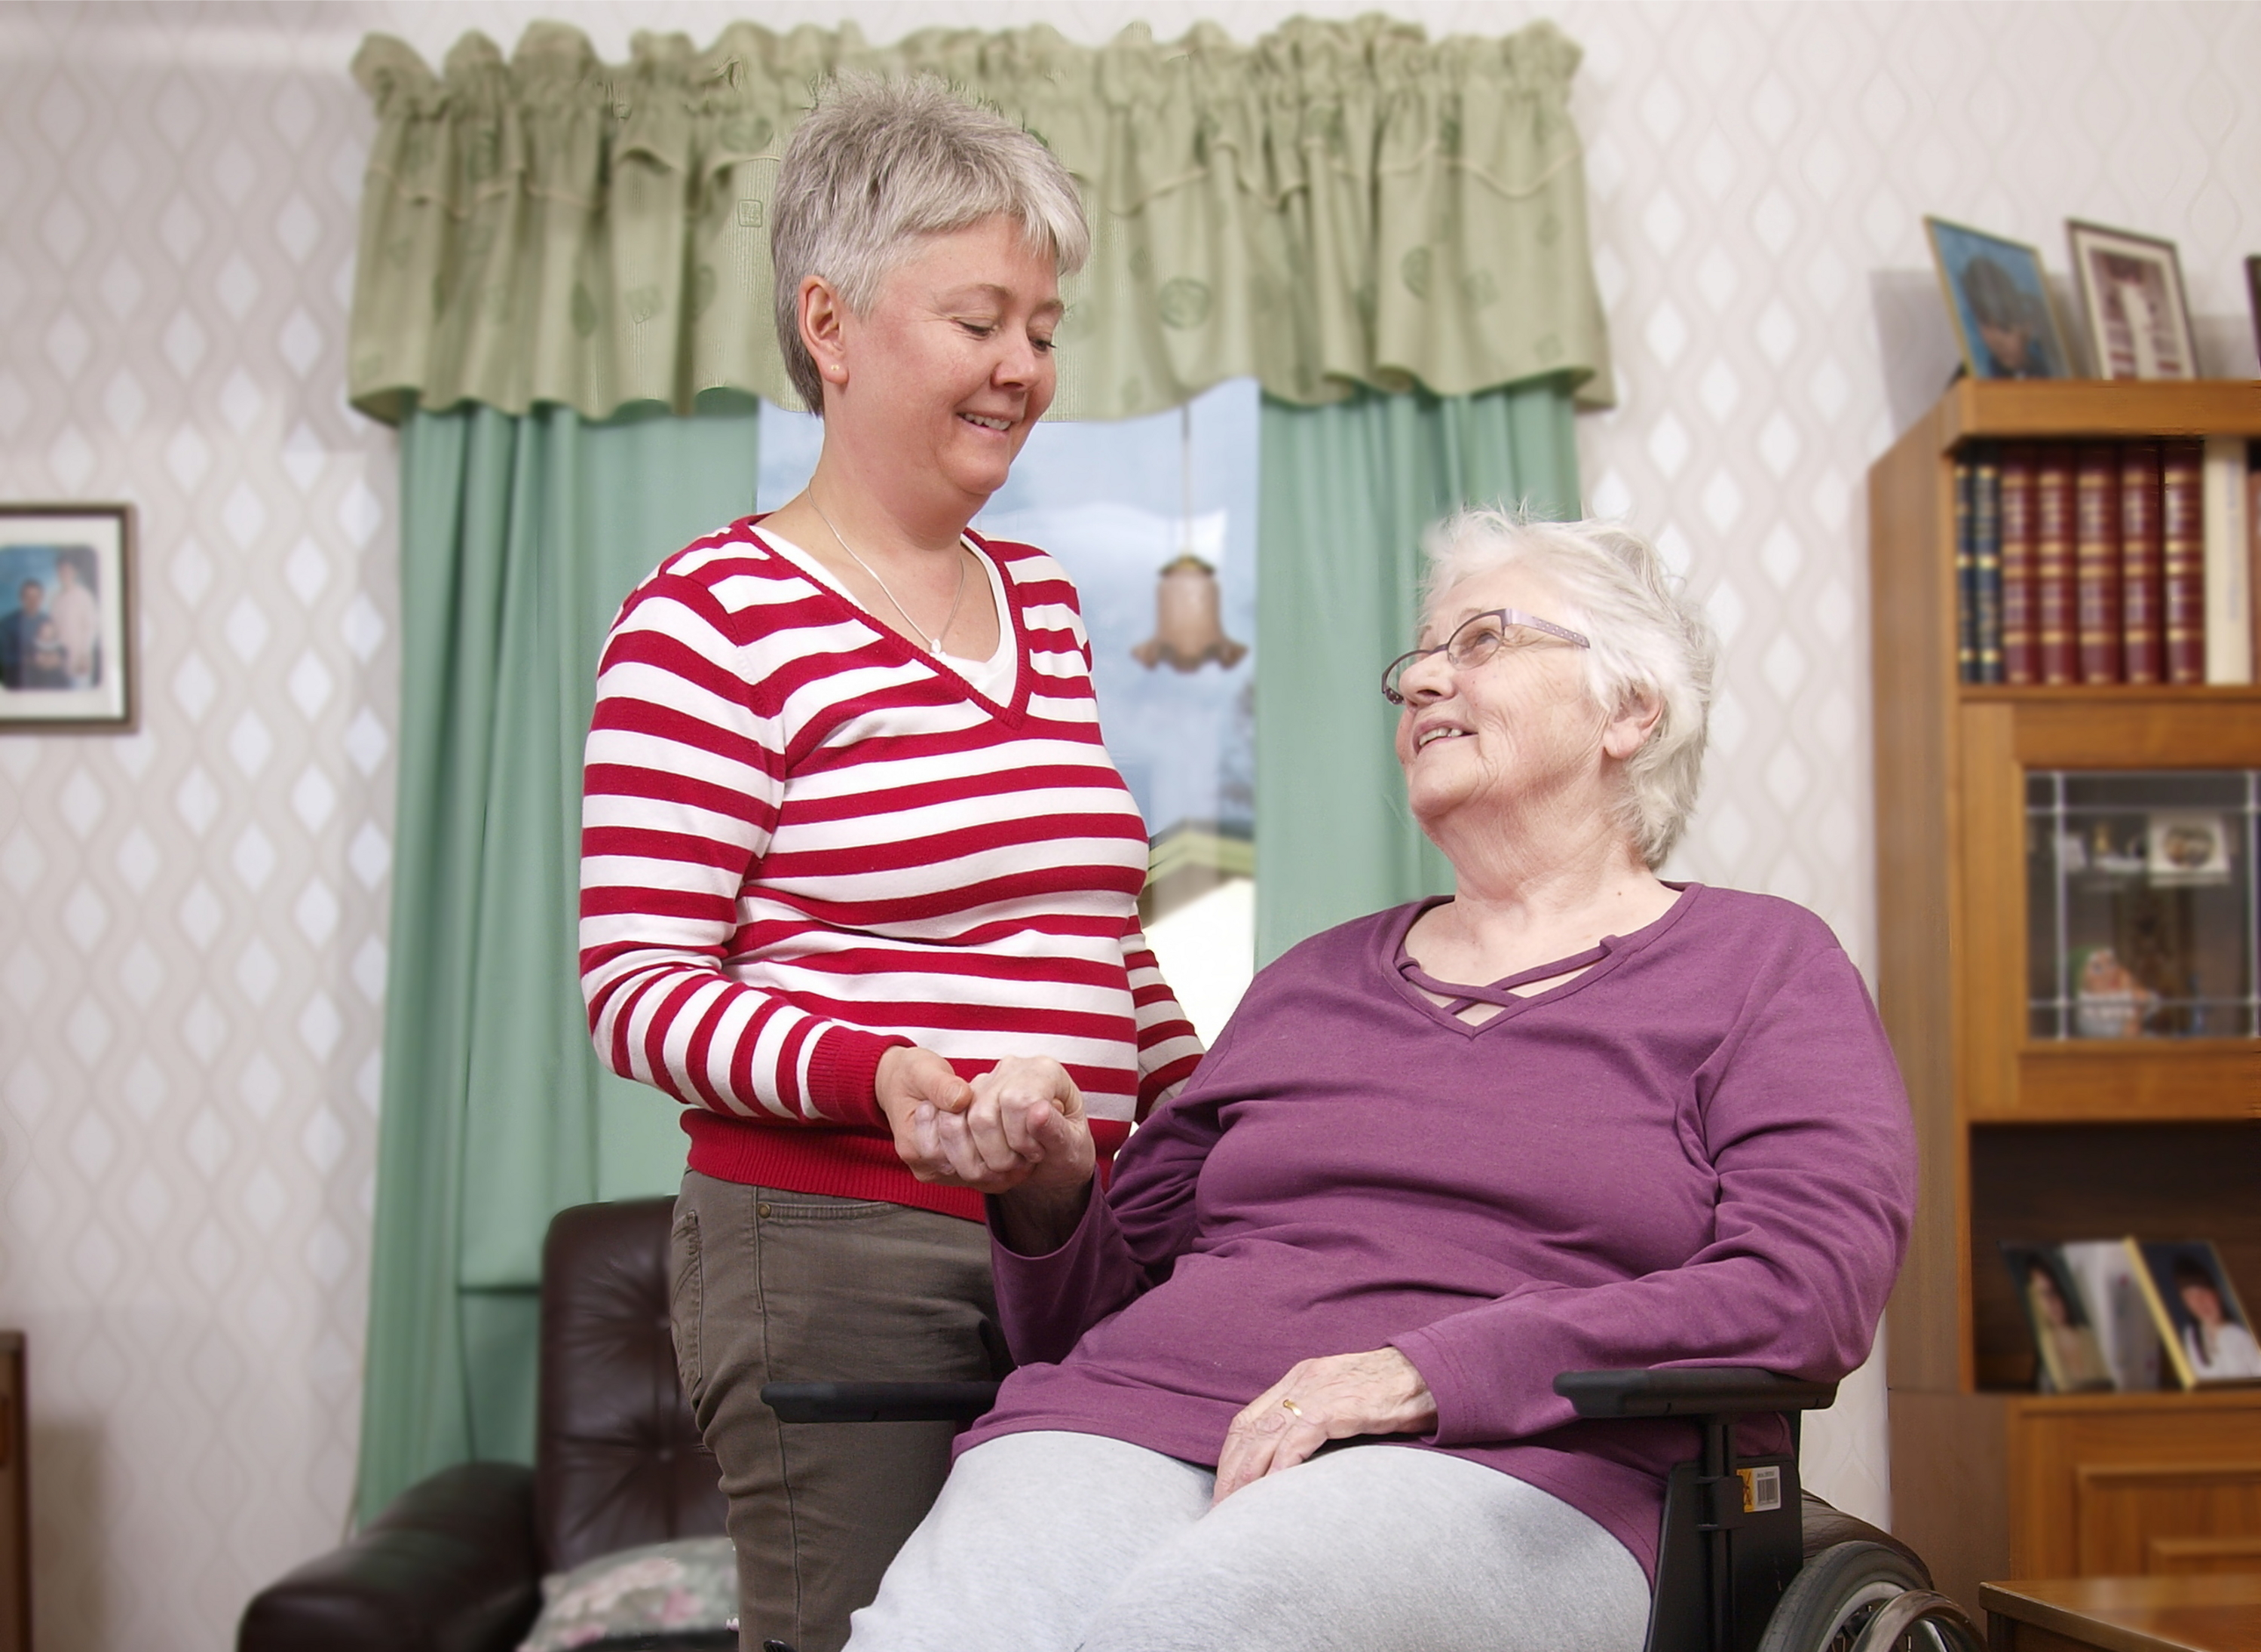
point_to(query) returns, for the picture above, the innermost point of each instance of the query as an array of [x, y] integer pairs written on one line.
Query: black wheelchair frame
[[1733, 1573]]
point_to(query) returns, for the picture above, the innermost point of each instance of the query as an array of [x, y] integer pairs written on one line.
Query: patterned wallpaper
[[192, 919]]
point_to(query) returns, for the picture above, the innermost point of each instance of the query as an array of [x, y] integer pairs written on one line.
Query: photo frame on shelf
[[2070, 1356], [2132, 305], [2209, 1339], [2187, 847], [1998, 300], [2106, 1274], [66, 657]]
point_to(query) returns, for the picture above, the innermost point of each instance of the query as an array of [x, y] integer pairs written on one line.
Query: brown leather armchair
[[456, 1564]]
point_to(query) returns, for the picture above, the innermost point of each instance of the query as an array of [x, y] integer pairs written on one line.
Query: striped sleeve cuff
[[843, 1075]]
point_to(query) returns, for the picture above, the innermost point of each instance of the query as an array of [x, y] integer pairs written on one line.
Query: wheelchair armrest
[[1688, 1391], [879, 1402]]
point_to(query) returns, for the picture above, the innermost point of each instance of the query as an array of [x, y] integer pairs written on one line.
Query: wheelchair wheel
[[1841, 1593]]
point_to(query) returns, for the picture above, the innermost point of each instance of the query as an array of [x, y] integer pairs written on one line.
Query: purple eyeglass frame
[[1396, 668]]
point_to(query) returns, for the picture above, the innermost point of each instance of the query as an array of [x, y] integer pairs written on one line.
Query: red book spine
[[2142, 566], [2096, 561], [2020, 661], [2053, 562], [2182, 517]]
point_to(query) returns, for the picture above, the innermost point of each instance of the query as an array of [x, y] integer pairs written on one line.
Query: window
[[1155, 521]]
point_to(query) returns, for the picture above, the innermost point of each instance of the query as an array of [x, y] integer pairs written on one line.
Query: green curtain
[[520, 535], [1345, 493], [1338, 203]]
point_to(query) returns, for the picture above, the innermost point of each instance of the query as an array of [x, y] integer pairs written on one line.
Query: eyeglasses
[[1474, 640]]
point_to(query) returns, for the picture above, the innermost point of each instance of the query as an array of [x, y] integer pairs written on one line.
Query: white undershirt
[[992, 679]]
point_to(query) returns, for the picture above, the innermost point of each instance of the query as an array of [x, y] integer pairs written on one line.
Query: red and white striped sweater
[[803, 840]]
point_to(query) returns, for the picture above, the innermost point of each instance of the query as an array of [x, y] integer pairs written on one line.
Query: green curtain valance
[[1338, 203]]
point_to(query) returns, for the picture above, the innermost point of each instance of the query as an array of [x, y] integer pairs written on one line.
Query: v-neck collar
[[895, 643], [1594, 964]]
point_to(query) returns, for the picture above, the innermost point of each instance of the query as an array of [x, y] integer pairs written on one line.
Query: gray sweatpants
[[1045, 1542]]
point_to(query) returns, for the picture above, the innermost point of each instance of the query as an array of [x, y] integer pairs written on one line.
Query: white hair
[[878, 166], [1648, 638]]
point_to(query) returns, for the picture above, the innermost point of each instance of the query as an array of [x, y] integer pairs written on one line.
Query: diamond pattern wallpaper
[[192, 919]]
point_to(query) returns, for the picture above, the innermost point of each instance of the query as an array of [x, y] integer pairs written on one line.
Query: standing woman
[[851, 837]]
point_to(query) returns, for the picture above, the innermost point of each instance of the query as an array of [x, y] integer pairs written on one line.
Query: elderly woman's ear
[[1637, 717]]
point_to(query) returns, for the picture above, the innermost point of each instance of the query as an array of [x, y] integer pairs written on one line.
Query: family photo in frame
[[2069, 1354], [2132, 301], [66, 611], [2000, 302], [2133, 1315], [2209, 1338]]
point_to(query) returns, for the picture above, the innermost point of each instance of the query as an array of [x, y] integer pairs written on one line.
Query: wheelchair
[[1747, 1559]]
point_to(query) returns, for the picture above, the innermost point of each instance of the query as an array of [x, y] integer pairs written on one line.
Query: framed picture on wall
[[66, 619], [2132, 303], [1999, 304]]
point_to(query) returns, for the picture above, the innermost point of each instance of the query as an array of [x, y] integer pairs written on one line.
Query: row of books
[[2106, 562], [2132, 1315]]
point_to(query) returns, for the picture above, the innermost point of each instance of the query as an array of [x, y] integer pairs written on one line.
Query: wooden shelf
[[2026, 1139], [2104, 409], [2183, 697], [2133, 1080]]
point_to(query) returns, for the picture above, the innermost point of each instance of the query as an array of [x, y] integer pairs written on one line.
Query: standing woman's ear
[[823, 329]]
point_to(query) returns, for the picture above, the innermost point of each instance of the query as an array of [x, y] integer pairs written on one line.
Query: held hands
[[1020, 1122], [1319, 1400]]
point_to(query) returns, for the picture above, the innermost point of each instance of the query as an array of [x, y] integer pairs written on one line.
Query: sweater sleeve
[[1169, 1049], [1807, 1130], [684, 776], [1130, 1238]]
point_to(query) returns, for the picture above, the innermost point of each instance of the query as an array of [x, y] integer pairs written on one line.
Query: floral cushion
[[681, 1594]]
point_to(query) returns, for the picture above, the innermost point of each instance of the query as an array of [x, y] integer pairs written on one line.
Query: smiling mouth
[[987, 422], [1430, 737]]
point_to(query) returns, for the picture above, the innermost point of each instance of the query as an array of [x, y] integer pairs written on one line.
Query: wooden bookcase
[[2032, 1139]]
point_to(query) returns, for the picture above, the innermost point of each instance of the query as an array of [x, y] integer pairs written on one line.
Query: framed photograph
[[2105, 1275], [2065, 1344], [66, 619], [2209, 1339], [2131, 298], [1999, 304], [2182, 849]]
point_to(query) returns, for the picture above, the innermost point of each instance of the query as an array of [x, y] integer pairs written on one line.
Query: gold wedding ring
[[1292, 1409]]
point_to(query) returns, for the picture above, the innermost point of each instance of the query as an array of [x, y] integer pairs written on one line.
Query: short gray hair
[[880, 164], [1647, 635]]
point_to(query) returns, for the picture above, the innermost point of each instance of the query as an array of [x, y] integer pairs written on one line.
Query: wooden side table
[[2197, 1613]]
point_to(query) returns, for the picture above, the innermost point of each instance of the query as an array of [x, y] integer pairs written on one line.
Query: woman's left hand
[[1318, 1400]]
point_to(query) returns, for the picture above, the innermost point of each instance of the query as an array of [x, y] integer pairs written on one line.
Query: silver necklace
[[934, 644]]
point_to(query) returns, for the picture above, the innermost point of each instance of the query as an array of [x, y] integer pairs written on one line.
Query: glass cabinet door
[[2140, 904]]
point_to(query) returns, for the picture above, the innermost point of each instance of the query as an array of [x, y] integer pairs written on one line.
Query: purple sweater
[[1697, 1152]]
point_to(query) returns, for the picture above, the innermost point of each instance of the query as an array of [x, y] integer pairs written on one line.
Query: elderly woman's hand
[[1029, 1107], [1022, 1121], [1337, 1397], [1025, 1127]]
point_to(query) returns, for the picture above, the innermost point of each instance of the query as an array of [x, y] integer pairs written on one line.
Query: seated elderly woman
[[1286, 1380]]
